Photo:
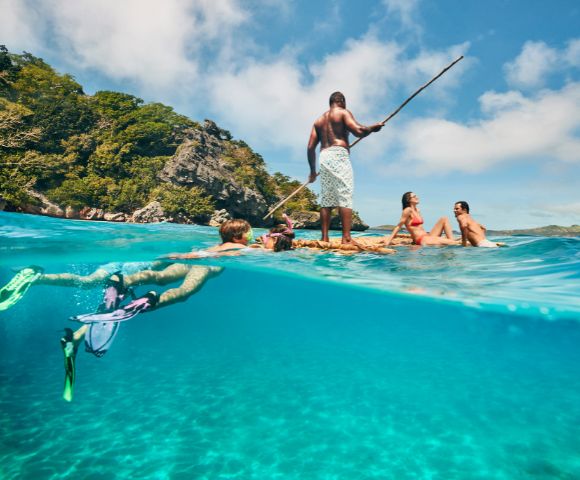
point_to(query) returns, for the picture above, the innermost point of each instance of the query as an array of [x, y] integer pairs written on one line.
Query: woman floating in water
[[413, 221], [279, 238]]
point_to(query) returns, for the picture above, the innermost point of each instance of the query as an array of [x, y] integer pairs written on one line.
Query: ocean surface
[[434, 363]]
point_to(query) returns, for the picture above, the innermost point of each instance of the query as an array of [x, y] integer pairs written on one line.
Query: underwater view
[[431, 363]]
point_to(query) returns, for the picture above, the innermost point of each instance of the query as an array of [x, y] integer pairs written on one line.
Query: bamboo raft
[[363, 244]]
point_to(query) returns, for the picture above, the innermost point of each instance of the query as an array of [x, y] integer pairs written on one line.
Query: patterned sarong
[[336, 178]]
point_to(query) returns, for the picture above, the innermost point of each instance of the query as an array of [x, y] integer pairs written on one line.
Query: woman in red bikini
[[413, 222]]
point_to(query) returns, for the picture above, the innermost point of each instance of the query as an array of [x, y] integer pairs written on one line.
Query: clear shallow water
[[298, 365]]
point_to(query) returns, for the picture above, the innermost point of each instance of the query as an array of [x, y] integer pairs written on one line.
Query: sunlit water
[[441, 363]]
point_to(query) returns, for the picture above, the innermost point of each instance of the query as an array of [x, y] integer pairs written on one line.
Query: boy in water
[[235, 235]]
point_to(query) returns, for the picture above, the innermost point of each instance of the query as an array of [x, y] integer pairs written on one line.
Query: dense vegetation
[[105, 150]]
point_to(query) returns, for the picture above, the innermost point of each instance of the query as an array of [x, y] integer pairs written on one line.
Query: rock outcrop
[[115, 217], [219, 217], [151, 213], [88, 213], [199, 162], [43, 206], [311, 220]]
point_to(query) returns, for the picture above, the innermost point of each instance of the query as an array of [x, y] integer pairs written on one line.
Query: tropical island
[[110, 156]]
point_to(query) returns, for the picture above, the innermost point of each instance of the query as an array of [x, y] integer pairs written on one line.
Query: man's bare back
[[472, 230], [331, 128]]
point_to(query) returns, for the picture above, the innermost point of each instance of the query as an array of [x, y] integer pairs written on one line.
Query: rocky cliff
[[199, 161]]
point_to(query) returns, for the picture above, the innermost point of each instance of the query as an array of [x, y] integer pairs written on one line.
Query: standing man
[[471, 231], [331, 131]]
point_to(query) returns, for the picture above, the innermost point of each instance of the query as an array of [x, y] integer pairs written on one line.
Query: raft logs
[[363, 244]]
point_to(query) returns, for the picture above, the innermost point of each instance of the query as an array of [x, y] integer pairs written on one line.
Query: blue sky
[[501, 130]]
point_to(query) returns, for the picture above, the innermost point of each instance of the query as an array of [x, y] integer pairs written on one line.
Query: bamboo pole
[[413, 96], [282, 202]]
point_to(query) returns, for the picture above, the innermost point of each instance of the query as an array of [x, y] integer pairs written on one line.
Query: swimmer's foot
[[69, 350], [214, 271], [114, 292], [145, 303], [15, 289]]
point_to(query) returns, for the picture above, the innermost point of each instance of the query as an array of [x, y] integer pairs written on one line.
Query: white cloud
[[406, 11], [568, 210], [532, 65], [544, 126], [21, 25], [154, 44], [537, 61], [572, 53], [275, 103]]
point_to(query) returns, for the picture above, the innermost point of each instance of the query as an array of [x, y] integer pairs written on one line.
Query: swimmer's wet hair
[[233, 229], [284, 241]]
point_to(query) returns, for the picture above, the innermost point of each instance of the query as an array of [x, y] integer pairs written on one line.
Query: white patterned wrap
[[336, 178]]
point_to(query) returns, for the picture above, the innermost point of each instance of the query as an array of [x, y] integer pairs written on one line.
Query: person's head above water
[[280, 237], [236, 231], [337, 98], [460, 207], [407, 198]]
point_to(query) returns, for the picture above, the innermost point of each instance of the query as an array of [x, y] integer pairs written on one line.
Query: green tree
[[16, 131], [15, 182], [89, 191], [191, 202], [304, 200], [58, 104], [8, 73]]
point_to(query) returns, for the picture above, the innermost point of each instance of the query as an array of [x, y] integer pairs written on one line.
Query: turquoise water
[[442, 363]]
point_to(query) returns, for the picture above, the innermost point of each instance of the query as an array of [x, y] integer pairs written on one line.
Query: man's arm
[[356, 128], [463, 227], [311, 151]]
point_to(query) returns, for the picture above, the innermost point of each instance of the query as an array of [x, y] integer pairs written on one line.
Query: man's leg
[[172, 273], [193, 281], [72, 280], [325, 222], [346, 220], [79, 335]]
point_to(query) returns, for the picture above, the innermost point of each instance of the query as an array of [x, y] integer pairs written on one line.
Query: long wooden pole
[[413, 96], [282, 202]]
